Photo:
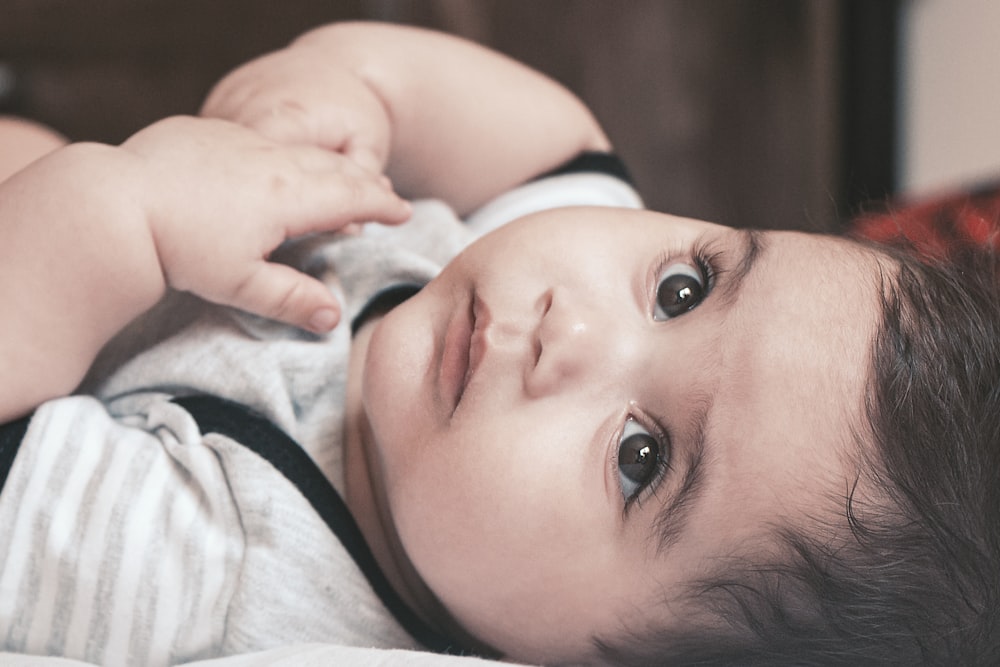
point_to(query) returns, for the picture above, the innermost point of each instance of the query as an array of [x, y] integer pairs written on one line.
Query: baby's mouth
[[477, 340], [464, 346], [454, 370]]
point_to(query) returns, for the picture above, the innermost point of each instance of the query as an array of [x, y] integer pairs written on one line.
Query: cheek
[[504, 522], [394, 378], [483, 485]]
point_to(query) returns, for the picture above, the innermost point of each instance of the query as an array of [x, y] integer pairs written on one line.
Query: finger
[[365, 157], [229, 98], [328, 204], [281, 125], [281, 293], [290, 122]]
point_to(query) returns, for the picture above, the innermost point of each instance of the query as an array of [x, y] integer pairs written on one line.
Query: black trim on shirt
[[11, 435], [593, 162], [257, 433], [384, 301]]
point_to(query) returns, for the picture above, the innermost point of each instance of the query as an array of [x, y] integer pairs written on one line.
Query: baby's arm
[[449, 118], [92, 235]]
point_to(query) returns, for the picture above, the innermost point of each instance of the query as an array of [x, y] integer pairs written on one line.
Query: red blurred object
[[938, 227]]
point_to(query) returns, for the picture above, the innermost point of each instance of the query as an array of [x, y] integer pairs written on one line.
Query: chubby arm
[[73, 268], [446, 117], [92, 235]]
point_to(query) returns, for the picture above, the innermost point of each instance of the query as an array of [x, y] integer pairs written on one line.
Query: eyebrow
[[672, 518], [752, 246]]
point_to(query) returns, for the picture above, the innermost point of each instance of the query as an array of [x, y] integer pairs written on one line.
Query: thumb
[[281, 293], [283, 124]]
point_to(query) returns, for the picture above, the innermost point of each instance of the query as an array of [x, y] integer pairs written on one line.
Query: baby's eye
[[639, 459], [681, 287]]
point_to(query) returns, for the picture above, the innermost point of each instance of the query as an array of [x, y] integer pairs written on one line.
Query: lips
[[477, 343], [455, 355], [463, 349]]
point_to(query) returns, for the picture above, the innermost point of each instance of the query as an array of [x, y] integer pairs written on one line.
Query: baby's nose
[[573, 343]]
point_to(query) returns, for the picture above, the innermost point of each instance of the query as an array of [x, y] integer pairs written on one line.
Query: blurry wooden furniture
[[770, 113]]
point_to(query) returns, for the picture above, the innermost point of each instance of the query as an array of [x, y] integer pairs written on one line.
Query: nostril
[[545, 302], [542, 306]]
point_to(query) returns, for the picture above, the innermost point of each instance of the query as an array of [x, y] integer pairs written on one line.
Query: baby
[[598, 435]]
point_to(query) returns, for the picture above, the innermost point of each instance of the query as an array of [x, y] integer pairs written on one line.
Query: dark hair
[[918, 581]]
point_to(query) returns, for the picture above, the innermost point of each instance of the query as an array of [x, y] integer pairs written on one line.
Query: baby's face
[[591, 406]]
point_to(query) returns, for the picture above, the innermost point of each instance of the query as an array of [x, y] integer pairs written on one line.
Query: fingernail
[[323, 320]]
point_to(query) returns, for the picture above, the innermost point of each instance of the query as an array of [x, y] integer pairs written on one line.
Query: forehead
[[802, 334], [804, 320]]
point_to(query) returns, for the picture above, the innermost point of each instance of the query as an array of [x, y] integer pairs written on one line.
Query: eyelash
[[707, 262], [701, 256], [664, 455]]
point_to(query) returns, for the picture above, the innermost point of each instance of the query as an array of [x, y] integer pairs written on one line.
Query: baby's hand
[[305, 95], [220, 198]]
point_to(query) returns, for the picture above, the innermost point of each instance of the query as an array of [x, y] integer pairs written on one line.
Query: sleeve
[[590, 179], [97, 517]]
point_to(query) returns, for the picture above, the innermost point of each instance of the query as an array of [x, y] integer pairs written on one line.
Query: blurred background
[[766, 113]]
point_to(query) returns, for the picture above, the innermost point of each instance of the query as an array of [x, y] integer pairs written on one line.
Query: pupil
[[678, 294], [637, 457]]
